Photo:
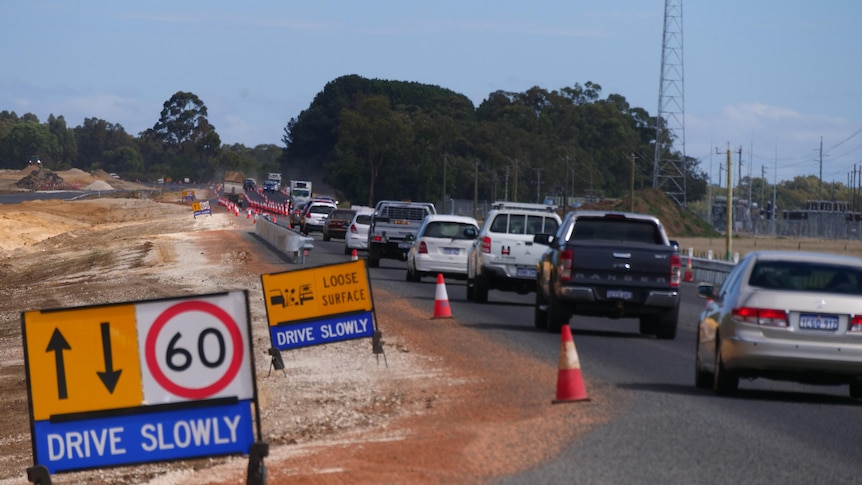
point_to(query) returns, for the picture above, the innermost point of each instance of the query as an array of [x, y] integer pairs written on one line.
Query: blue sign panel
[[145, 437], [322, 331]]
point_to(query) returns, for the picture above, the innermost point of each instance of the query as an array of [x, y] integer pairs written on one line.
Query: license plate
[[620, 294], [453, 251], [405, 245], [818, 322], [526, 272]]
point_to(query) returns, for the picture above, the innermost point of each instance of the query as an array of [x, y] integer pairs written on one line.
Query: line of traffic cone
[[570, 382], [441, 300]]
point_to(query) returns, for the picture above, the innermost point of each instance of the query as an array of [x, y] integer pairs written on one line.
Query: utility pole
[[538, 184], [632, 184], [750, 222], [820, 194], [515, 182], [729, 227], [506, 189], [739, 180], [476, 189], [774, 190], [445, 162]]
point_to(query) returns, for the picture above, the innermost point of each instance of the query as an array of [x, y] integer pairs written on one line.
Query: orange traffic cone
[[441, 300], [354, 256], [570, 383], [688, 276]]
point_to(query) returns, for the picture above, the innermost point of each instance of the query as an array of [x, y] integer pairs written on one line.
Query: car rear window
[[616, 230], [524, 224], [320, 209], [803, 276], [448, 230], [364, 219]]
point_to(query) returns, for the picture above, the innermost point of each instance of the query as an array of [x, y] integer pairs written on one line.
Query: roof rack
[[500, 204]]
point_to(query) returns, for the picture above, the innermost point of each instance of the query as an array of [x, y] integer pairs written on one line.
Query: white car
[[505, 256], [441, 246], [315, 216], [357, 231]]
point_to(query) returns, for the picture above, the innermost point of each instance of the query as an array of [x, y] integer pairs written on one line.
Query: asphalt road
[[668, 431]]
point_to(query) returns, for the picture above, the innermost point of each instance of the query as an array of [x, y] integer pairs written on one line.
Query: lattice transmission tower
[[669, 170]]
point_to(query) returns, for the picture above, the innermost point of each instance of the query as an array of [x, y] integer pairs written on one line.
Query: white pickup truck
[[393, 228]]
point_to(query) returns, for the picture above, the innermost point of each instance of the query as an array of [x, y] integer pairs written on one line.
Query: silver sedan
[[792, 316]]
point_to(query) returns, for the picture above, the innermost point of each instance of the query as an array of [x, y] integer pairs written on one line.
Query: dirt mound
[[40, 178], [677, 221]]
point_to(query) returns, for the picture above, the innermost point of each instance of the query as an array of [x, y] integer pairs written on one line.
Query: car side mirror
[[675, 244], [410, 237], [706, 291], [470, 233]]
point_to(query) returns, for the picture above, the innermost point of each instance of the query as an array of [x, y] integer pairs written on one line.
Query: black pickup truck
[[609, 264]]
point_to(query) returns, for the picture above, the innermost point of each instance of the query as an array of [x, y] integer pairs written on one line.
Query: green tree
[[94, 138], [27, 139], [66, 143], [371, 139]]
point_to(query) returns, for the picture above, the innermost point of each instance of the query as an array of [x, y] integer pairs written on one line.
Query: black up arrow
[[110, 376], [58, 344]]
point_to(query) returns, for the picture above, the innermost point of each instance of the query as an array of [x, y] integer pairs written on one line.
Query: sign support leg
[[377, 347], [256, 469], [39, 475]]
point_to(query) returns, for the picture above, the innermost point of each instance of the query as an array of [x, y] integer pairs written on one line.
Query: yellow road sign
[[82, 360], [316, 292]]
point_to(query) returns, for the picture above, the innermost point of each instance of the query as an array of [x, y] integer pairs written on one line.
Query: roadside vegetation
[[377, 139]]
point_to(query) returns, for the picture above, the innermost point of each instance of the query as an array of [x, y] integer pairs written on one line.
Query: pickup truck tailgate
[[629, 265]]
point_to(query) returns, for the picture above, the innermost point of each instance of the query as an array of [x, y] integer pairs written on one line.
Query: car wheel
[[724, 382], [665, 324], [558, 315], [326, 237], [647, 325], [540, 312], [413, 275], [373, 258], [856, 389], [702, 379], [471, 289], [347, 250], [481, 289]]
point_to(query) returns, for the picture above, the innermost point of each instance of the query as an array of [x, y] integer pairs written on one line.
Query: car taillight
[[486, 245], [761, 316], [423, 249], [566, 265], [353, 229], [856, 324], [675, 265], [377, 238]]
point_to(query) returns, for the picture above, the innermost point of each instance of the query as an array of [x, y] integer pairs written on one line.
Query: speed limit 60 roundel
[[195, 349]]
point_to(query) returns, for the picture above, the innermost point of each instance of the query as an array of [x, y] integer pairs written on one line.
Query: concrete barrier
[[290, 243]]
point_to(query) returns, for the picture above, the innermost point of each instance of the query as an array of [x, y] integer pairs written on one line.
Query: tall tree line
[[376, 139], [181, 144]]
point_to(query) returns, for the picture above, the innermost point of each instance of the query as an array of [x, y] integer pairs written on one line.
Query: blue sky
[[769, 77]]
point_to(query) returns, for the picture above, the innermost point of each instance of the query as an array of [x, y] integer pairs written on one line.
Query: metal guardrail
[[291, 243], [708, 270]]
